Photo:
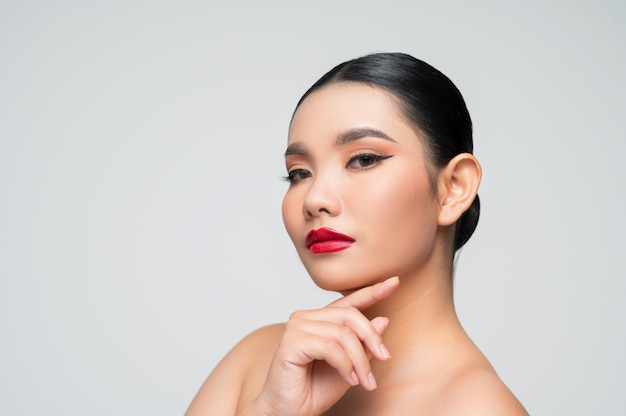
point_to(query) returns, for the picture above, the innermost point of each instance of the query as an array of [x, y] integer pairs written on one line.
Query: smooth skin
[[390, 345]]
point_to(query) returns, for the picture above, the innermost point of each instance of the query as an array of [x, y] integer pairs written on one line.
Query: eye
[[297, 175], [365, 160]]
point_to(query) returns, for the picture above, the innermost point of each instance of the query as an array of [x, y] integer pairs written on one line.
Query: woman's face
[[360, 207]]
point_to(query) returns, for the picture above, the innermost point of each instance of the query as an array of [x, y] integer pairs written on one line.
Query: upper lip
[[325, 234]]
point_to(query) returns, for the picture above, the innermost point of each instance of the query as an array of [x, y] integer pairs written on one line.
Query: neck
[[423, 324]]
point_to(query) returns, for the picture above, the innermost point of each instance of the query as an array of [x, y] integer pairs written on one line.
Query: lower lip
[[329, 246]]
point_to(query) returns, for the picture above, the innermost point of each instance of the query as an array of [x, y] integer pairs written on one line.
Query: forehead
[[340, 106]]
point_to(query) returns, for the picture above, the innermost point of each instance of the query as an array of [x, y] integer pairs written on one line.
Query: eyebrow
[[360, 132], [343, 138]]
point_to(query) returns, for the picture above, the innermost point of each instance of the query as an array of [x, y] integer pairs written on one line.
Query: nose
[[322, 198]]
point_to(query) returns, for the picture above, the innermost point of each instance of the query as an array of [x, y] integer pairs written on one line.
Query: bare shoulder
[[481, 392], [239, 375]]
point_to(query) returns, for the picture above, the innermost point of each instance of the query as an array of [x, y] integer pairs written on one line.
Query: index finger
[[368, 295]]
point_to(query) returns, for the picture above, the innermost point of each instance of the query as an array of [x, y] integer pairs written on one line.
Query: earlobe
[[458, 185]]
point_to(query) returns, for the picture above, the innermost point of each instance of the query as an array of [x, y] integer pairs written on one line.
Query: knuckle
[[299, 314], [292, 324], [333, 309], [353, 310], [355, 316]]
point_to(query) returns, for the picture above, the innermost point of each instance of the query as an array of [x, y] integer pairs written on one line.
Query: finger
[[340, 334], [309, 346], [368, 295], [380, 323], [353, 321]]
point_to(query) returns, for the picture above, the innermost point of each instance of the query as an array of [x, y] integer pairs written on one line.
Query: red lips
[[325, 240]]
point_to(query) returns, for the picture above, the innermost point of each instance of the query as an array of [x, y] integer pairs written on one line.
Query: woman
[[383, 192]]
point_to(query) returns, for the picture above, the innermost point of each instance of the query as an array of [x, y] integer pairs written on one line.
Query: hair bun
[[466, 225]]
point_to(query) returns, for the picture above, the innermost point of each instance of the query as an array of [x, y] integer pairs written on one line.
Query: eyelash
[[300, 174], [374, 159], [292, 175]]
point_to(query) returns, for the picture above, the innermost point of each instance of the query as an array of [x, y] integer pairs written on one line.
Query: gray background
[[140, 165]]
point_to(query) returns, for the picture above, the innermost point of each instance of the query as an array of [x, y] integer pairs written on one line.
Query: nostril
[[313, 213], [321, 198]]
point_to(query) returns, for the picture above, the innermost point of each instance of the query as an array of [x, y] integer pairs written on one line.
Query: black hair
[[431, 103]]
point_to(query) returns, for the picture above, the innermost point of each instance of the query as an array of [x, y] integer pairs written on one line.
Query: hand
[[323, 352]]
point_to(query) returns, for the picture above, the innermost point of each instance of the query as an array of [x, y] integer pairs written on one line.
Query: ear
[[457, 185]]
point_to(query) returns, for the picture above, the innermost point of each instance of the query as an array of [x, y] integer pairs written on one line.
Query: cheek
[[401, 197], [404, 213]]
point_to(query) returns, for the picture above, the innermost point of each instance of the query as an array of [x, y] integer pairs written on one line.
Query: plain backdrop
[[140, 187]]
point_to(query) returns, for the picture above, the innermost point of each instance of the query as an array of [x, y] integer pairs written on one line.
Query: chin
[[344, 281], [335, 285]]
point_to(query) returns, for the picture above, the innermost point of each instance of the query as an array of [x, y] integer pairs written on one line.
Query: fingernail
[[355, 379], [384, 351], [371, 381]]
